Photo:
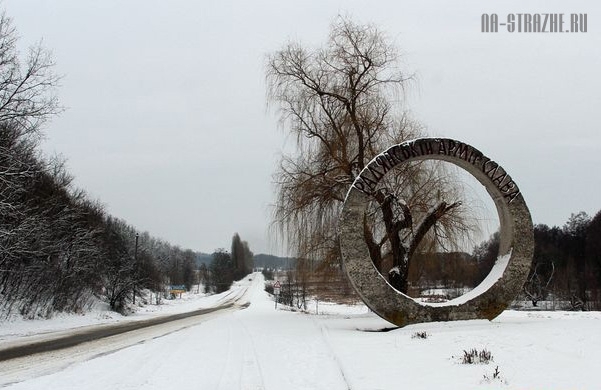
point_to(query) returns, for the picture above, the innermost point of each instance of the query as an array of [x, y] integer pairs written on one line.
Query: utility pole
[[276, 292], [135, 267]]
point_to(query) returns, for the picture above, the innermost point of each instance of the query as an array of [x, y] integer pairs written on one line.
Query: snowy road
[[55, 352], [261, 348], [24, 348], [229, 349]]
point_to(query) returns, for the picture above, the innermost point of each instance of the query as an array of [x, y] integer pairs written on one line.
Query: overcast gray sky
[[167, 123]]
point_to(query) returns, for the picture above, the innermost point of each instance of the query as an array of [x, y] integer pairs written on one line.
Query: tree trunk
[[397, 276]]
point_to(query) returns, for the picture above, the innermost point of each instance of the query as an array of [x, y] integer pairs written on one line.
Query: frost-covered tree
[[27, 88]]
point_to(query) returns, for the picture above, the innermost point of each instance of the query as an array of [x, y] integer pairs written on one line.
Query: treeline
[[274, 262], [565, 272], [454, 270], [226, 267], [566, 266], [567, 262], [59, 248]]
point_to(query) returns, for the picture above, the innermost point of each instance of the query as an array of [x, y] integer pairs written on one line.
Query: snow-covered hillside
[[263, 348]]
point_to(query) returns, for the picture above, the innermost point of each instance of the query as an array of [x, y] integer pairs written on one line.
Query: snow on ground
[[263, 348], [17, 328]]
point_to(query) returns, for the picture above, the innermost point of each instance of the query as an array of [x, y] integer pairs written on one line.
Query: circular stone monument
[[494, 293]]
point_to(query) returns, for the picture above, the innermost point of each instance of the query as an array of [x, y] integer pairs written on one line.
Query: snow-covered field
[[341, 348]]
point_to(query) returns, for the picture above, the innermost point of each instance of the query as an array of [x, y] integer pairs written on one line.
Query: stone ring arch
[[494, 293]]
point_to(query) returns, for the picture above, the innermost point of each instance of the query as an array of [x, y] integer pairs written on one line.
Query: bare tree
[[27, 90], [537, 285], [342, 104]]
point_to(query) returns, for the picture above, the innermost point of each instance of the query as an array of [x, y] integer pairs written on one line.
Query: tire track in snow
[[251, 377], [223, 376], [241, 368], [325, 335], [225, 297], [238, 294]]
